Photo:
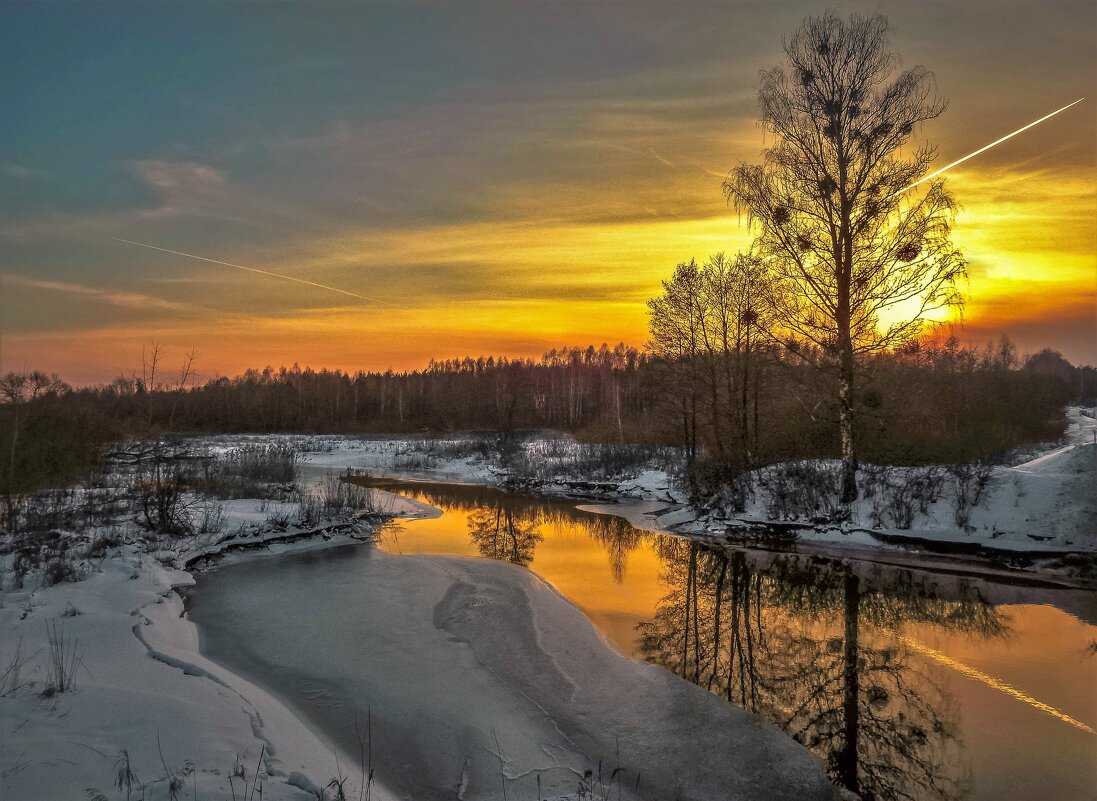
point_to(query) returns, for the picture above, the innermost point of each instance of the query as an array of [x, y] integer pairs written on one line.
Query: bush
[[970, 482], [546, 459], [102, 543], [35, 550], [721, 482], [71, 509], [474, 446], [333, 500], [801, 490], [250, 471], [898, 492], [60, 570], [158, 474], [210, 518]]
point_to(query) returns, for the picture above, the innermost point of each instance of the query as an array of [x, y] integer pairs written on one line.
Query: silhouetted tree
[[676, 323], [862, 260], [706, 333], [18, 392]]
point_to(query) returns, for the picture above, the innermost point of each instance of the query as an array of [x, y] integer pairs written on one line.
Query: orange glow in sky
[[494, 198]]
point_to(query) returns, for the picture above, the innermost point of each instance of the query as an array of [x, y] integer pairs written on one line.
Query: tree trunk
[[845, 426], [847, 756], [716, 620], [685, 628], [714, 395], [843, 257]]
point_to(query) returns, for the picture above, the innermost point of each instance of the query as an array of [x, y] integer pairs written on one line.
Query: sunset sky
[[503, 178]]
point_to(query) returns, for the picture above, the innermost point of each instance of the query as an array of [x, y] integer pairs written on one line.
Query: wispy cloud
[[133, 300], [20, 171], [173, 176]]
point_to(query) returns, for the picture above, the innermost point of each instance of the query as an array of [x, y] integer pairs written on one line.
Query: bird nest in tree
[[908, 252]]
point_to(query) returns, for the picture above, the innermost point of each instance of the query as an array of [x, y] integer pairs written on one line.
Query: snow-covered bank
[[251, 524], [476, 673], [456, 650], [140, 688], [131, 691], [1046, 505]]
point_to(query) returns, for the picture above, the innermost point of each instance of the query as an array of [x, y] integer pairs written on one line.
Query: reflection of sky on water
[[955, 693]]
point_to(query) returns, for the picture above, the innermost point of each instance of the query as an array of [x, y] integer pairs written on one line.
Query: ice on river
[[477, 672]]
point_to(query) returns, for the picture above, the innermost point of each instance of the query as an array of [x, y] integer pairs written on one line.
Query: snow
[[607, 701], [1044, 506], [474, 668], [142, 686], [457, 649], [406, 457], [141, 694], [250, 512]]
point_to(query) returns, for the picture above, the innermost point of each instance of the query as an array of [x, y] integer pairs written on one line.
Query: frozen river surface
[[477, 675]]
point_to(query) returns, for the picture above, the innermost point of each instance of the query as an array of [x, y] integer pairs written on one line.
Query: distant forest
[[927, 402]]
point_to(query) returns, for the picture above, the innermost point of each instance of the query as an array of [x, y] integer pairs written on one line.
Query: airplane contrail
[[992, 682], [984, 148], [262, 272]]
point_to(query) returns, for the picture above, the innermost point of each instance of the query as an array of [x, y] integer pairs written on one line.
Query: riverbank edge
[[134, 595], [171, 637], [671, 512], [295, 752]]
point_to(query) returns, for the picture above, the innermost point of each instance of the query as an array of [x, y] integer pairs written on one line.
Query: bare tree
[[150, 384], [147, 384], [676, 325], [864, 260], [505, 533], [186, 374], [18, 391], [739, 300], [706, 327]]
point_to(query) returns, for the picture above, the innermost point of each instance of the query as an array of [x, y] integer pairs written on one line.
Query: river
[[962, 687]]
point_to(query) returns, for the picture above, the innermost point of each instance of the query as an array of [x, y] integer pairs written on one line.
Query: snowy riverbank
[[140, 688], [1045, 505], [144, 703], [144, 699]]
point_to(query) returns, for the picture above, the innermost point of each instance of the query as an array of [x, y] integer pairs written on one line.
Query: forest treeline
[[928, 402]]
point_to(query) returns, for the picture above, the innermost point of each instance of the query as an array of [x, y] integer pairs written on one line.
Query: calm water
[[962, 688]]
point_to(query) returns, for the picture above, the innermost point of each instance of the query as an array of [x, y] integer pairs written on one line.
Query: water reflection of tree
[[499, 533], [812, 645], [506, 526], [617, 536]]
